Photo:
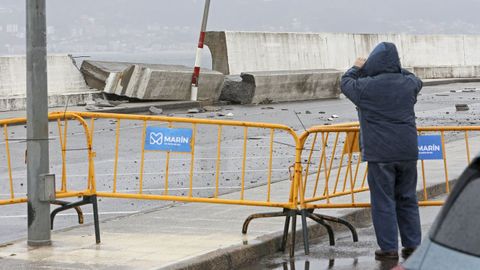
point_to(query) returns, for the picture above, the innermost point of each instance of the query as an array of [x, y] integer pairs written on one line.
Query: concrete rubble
[[462, 107], [281, 86], [150, 81]]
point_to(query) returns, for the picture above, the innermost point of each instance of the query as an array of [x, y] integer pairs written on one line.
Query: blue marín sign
[[168, 139], [430, 147]]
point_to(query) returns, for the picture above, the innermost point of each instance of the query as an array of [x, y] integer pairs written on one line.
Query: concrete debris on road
[[212, 108], [194, 110], [155, 110], [461, 107]]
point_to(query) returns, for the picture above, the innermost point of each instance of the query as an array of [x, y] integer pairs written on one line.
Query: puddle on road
[[345, 255]]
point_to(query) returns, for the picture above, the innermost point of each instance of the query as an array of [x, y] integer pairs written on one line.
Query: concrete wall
[[63, 76], [236, 52], [65, 82]]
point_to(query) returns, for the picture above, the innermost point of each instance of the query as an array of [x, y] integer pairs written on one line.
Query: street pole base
[[39, 243]]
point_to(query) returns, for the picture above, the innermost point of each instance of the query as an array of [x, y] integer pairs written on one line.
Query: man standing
[[385, 95]]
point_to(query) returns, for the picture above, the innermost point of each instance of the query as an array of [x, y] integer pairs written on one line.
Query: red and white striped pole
[[198, 57]]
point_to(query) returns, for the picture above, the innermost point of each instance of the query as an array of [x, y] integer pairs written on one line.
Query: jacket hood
[[383, 59]]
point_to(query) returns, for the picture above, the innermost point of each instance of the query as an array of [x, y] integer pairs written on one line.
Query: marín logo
[[156, 138]]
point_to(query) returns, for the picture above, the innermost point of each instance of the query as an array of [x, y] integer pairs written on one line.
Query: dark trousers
[[394, 203]]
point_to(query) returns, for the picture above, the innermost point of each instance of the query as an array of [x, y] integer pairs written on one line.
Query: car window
[[459, 228]]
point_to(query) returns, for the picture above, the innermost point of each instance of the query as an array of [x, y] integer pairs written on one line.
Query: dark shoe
[[406, 252], [381, 255]]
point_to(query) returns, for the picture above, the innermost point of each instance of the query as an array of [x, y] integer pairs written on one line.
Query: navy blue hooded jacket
[[385, 95]]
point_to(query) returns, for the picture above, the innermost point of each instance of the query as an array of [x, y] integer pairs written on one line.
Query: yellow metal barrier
[[14, 156], [195, 176], [335, 176], [327, 168]]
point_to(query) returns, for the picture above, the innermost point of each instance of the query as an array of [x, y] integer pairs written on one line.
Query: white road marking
[[75, 214]]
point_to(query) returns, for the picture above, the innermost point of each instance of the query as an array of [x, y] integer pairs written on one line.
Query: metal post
[[198, 56], [37, 122]]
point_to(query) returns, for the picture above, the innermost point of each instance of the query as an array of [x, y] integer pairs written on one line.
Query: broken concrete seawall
[[281, 86], [150, 81]]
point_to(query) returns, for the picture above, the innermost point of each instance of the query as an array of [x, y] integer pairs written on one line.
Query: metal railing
[[334, 173], [323, 164], [165, 179], [14, 140]]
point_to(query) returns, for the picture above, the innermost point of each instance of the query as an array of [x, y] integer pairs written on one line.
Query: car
[[453, 241]]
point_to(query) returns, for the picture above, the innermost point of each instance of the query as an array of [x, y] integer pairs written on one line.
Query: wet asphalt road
[[344, 255], [435, 107]]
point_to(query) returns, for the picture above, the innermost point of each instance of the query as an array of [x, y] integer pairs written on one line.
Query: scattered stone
[[284, 109], [330, 119], [321, 112], [335, 116], [229, 114], [308, 112], [461, 107], [455, 91], [194, 110], [447, 112], [82, 104], [155, 110], [171, 114], [267, 108], [190, 115], [91, 107], [212, 108], [442, 95]]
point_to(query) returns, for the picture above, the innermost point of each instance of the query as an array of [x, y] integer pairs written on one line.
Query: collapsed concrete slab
[[281, 86], [149, 81], [65, 82]]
